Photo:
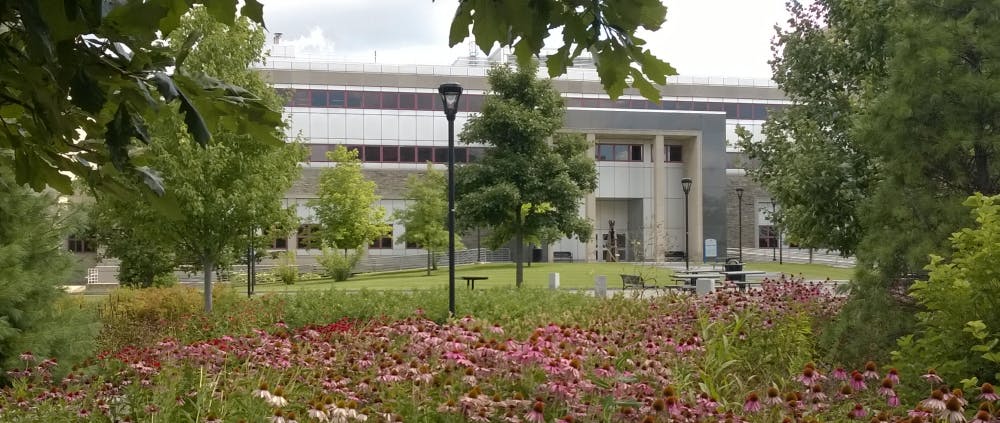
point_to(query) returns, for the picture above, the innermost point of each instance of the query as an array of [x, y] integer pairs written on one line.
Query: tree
[[425, 216], [80, 79], [222, 190], [532, 178], [346, 204], [35, 262], [605, 28], [891, 129]]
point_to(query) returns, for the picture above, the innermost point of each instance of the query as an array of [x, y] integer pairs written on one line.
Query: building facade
[[393, 116]]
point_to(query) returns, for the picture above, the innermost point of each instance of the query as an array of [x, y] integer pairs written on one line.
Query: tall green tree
[[34, 314], [222, 190], [346, 204], [424, 217], [892, 128], [532, 178]]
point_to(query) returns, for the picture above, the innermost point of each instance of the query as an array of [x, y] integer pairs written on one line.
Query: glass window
[[384, 243], [605, 152], [410, 245], [407, 154], [279, 244], [286, 94], [425, 101], [639, 104], [425, 154], [441, 155], [78, 244], [300, 98], [317, 153], [744, 111], [318, 98], [357, 148], [407, 101], [461, 155], [336, 98], [463, 103], [730, 109], [590, 102], [759, 112], [716, 106], [621, 153], [373, 99], [766, 237], [636, 153], [475, 103], [668, 105], [354, 99], [390, 154], [390, 100], [674, 153], [373, 153], [605, 103], [308, 237]]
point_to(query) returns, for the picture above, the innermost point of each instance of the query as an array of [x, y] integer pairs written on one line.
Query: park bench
[[674, 256], [562, 256], [635, 281]]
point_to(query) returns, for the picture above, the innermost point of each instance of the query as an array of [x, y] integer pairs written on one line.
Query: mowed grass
[[571, 276]]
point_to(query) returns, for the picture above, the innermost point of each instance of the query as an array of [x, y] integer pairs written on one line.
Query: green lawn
[[501, 275]]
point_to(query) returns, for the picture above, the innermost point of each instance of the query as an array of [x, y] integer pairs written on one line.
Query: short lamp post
[[739, 221], [774, 233], [450, 93], [686, 186]]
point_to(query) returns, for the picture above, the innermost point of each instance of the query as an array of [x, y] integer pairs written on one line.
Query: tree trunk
[[429, 261], [208, 268], [519, 258]]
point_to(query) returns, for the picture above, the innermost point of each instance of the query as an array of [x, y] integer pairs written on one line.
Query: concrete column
[[590, 206], [659, 199], [693, 169]]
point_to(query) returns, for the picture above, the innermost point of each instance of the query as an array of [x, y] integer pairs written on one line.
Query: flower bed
[[685, 359]]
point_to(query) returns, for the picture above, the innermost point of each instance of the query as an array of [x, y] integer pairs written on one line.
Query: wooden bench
[[635, 281], [470, 281], [562, 256]]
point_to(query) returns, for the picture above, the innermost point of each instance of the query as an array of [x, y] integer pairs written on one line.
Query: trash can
[[536, 255], [734, 265]]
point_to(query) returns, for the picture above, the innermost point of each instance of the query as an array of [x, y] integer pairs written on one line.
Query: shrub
[[286, 271], [958, 332], [337, 265]]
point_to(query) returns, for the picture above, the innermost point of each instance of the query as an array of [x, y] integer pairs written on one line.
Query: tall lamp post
[[450, 92], [774, 232], [739, 222], [686, 186]]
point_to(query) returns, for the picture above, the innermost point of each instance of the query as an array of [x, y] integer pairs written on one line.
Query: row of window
[[632, 153], [474, 102], [400, 154], [308, 238]]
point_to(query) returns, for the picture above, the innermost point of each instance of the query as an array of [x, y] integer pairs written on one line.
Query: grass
[[501, 275]]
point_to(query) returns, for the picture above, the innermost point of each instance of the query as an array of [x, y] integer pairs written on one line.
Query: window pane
[[390, 154], [317, 153], [318, 98], [373, 153], [440, 154], [605, 152], [354, 99], [390, 100], [674, 153], [300, 98], [460, 155], [621, 153], [424, 154], [730, 109], [717, 106], [605, 103], [475, 103], [425, 101], [744, 111], [407, 101], [590, 102], [373, 99], [759, 112], [639, 104], [336, 98], [668, 105], [637, 153], [463, 103], [407, 154]]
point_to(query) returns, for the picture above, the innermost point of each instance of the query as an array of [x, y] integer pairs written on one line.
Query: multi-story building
[[392, 114]]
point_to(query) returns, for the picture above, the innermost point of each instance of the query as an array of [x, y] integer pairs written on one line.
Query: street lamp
[[686, 186], [774, 233], [450, 92], [739, 206]]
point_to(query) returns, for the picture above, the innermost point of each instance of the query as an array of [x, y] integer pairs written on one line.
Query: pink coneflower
[[817, 392], [808, 376], [566, 419], [277, 398], [871, 370], [497, 329], [987, 393], [752, 404], [892, 401], [959, 395], [535, 415], [886, 389], [982, 416], [83, 413], [935, 403], [919, 412], [839, 373], [27, 357], [932, 377], [858, 381], [953, 412], [212, 418], [773, 397], [858, 412], [262, 392], [893, 375]]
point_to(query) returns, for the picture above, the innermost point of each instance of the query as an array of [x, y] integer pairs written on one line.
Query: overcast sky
[[700, 37]]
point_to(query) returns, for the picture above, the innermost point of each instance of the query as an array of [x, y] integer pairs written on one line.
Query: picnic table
[[470, 281], [742, 283], [691, 278]]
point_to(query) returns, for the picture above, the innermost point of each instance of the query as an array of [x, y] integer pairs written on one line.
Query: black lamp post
[[739, 206], [774, 233], [686, 186], [450, 92]]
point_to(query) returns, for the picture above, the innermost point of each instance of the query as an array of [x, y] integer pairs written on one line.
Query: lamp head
[[739, 192], [450, 93], [686, 185]]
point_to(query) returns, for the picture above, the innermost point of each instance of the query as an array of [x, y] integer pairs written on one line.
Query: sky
[[699, 38]]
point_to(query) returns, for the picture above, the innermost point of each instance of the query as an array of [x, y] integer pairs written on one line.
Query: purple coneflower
[[987, 393], [773, 397], [536, 415], [982, 416], [858, 381], [752, 404], [886, 389], [953, 412], [277, 399], [892, 401], [871, 370], [932, 377], [808, 376], [935, 403], [893, 375], [858, 412], [839, 373]]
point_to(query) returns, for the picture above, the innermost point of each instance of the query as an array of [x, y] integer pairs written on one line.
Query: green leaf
[[165, 85], [195, 123], [645, 88], [222, 10], [185, 49], [460, 24], [152, 179], [86, 93], [253, 10]]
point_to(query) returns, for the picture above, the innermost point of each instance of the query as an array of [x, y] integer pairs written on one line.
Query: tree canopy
[[532, 178], [424, 218], [346, 204]]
